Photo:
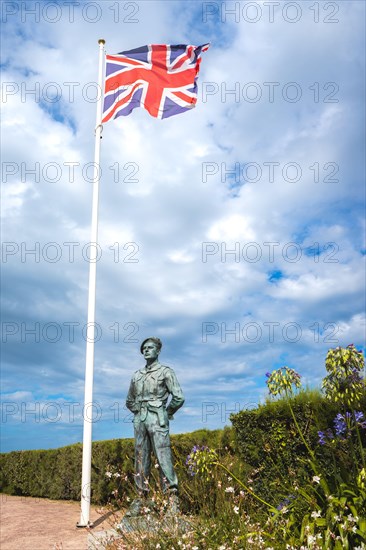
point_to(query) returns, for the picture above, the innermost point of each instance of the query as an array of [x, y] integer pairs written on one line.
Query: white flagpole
[[89, 365]]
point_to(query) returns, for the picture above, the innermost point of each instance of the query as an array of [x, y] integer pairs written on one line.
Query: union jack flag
[[161, 78]]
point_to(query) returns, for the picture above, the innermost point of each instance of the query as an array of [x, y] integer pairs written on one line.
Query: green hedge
[[56, 473], [264, 439], [267, 440]]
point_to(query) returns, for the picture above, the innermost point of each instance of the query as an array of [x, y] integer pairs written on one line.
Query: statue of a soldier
[[147, 398]]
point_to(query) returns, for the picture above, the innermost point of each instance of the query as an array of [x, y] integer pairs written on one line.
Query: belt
[[155, 406]]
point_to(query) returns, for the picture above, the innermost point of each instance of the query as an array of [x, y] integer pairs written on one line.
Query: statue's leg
[[168, 477], [142, 458], [161, 446], [160, 440], [142, 468]]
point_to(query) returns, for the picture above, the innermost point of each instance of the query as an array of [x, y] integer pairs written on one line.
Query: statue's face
[[150, 350]]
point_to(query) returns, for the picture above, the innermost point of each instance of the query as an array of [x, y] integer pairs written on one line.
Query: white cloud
[[167, 188], [233, 227]]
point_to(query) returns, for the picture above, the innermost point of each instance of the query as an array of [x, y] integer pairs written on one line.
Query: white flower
[[316, 514], [236, 509], [336, 518], [117, 474], [108, 474], [156, 466], [158, 545], [229, 490], [316, 479]]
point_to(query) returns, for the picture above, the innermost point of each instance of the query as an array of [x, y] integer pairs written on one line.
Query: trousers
[[151, 436]]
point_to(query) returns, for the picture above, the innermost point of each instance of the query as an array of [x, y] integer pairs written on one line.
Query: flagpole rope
[[96, 129]]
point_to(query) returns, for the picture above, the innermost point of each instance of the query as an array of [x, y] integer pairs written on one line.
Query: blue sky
[[233, 232]]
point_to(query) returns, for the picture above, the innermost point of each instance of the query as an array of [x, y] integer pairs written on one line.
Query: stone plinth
[[99, 540]]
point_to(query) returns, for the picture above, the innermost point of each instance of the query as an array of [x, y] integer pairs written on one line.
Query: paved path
[[28, 523]]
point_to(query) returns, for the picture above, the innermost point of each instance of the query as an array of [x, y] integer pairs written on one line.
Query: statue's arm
[[131, 398], [176, 392]]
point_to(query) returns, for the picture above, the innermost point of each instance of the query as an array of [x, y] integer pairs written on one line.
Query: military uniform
[[147, 398]]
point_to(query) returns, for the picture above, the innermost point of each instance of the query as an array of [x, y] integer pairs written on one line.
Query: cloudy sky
[[234, 231]]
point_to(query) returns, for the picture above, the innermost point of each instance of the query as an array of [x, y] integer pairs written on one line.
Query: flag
[[160, 78]]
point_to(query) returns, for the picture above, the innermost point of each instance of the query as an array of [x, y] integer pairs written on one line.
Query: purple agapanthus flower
[[360, 419], [325, 436], [359, 416], [343, 426], [341, 422], [285, 502]]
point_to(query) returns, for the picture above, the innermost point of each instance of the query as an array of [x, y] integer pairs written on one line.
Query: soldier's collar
[[152, 367]]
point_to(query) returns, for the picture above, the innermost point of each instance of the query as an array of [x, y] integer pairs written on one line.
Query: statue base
[[135, 525], [101, 539], [153, 524]]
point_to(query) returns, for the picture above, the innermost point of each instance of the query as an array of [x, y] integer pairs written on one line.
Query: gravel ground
[[29, 523]]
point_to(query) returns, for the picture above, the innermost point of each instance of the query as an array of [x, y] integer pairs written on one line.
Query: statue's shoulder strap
[[166, 367]]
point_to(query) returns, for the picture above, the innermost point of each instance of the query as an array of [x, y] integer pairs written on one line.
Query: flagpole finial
[[101, 41]]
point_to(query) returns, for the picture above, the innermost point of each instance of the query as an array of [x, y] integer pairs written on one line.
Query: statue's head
[[155, 341]]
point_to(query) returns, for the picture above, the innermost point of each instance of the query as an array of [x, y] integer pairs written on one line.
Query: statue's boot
[[151, 505], [135, 508], [173, 506]]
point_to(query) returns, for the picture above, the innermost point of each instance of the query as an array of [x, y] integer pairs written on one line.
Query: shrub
[[56, 473]]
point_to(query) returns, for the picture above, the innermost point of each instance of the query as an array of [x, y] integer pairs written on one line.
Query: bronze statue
[[147, 398]]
